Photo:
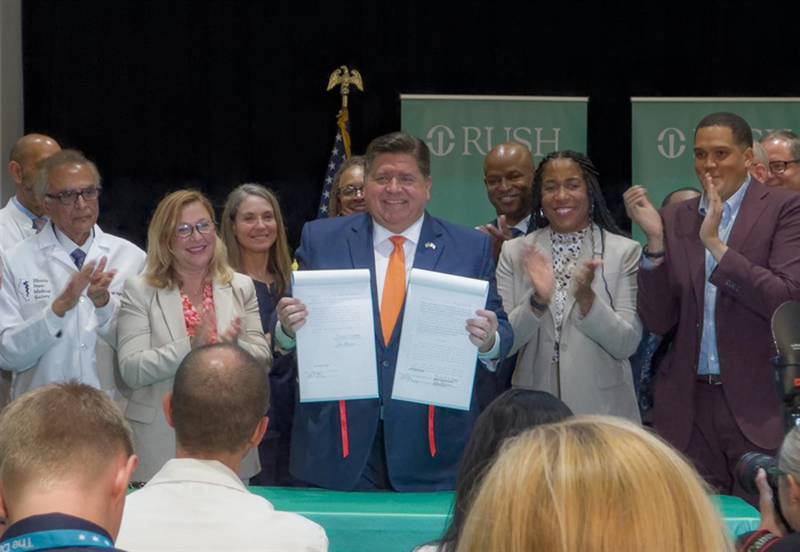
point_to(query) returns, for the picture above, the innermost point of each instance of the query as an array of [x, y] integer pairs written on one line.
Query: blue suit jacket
[[346, 242]]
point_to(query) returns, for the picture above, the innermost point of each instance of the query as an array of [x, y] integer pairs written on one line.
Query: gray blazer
[[594, 376], [153, 342]]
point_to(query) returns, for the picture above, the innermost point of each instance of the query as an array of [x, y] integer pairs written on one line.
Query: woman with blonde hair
[[187, 297], [592, 484], [253, 232]]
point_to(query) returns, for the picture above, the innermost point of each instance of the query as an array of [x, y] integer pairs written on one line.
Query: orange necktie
[[394, 289]]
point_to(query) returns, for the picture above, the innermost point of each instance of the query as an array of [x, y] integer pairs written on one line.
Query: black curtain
[[164, 94]]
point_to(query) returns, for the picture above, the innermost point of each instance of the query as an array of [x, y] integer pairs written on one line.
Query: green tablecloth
[[388, 522]]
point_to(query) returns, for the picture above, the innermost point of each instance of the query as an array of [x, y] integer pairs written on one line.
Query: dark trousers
[[375, 476], [717, 443]]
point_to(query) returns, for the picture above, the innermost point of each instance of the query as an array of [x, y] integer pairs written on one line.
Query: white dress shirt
[[197, 505]]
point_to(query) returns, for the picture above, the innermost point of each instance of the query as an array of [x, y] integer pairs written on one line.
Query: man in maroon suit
[[714, 269]]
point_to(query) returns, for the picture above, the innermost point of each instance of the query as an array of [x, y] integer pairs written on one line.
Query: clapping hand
[[582, 281], [540, 272], [99, 283], [73, 290]]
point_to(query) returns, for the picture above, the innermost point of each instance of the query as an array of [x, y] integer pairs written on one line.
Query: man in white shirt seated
[[196, 501], [60, 294]]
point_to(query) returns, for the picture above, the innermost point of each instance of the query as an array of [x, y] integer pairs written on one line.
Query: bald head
[[219, 397], [508, 175], [27, 153]]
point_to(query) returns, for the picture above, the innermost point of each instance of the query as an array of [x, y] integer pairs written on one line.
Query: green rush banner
[[460, 131], [663, 136]]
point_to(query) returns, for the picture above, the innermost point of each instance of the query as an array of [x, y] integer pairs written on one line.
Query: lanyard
[[61, 538]]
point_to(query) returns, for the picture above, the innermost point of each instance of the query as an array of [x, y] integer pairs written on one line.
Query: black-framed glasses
[[779, 167], [69, 197], [352, 191], [203, 227]]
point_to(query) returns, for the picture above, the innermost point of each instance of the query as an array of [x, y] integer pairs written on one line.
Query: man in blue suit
[[384, 443]]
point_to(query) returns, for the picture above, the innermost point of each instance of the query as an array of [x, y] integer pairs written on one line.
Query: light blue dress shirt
[[708, 362]]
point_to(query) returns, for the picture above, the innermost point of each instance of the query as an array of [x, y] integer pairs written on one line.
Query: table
[[389, 522]]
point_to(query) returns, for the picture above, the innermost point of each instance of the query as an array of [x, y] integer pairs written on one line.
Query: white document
[[336, 345], [436, 361]]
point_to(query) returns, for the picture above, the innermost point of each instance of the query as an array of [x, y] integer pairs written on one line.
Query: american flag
[[340, 152]]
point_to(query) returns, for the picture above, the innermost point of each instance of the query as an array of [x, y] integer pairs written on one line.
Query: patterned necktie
[[394, 289], [38, 223], [78, 256]]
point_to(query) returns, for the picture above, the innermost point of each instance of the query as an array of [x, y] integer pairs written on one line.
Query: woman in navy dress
[[253, 231]]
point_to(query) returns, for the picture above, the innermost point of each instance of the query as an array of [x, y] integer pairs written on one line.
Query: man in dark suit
[[715, 269], [508, 175], [385, 443]]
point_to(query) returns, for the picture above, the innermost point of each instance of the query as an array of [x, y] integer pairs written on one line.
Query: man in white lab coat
[[22, 216], [60, 294]]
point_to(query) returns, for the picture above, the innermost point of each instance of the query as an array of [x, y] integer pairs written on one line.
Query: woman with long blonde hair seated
[[592, 484], [187, 297]]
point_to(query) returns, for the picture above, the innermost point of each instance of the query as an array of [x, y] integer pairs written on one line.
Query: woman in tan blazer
[[187, 297], [569, 289]]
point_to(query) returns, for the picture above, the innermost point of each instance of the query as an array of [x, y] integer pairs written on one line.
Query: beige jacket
[[594, 376], [153, 342]]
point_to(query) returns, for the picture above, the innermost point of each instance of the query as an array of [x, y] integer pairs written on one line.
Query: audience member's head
[[759, 168], [723, 152], [789, 478], [783, 151], [680, 195], [68, 187], [23, 164], [218, 404], [513, 412], [592, 483], [252, 225], [65, 448], [182, 237], [508, 175], [347, 190]]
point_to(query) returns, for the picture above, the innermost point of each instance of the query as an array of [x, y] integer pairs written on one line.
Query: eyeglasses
[[70, 197], [203, 227], [352, 191], [779, 167]]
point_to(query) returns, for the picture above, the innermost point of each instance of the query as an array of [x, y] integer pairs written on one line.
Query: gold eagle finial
[[344, 77]]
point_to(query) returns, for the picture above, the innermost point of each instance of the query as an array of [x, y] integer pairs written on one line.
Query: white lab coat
[[15, 226], [38, 346]]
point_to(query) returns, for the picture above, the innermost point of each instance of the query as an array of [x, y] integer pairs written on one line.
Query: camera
[[747, 469]]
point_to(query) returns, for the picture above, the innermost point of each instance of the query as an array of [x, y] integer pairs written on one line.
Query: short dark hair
[[219, 396], [742, 134], [400, 142]]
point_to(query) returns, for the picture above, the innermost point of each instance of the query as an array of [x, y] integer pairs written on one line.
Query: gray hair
[[789, 455], [760, 154], [64, 157], [785, 136]]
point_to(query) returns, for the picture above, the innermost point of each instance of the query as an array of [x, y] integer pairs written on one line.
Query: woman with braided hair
[[569, 288]]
